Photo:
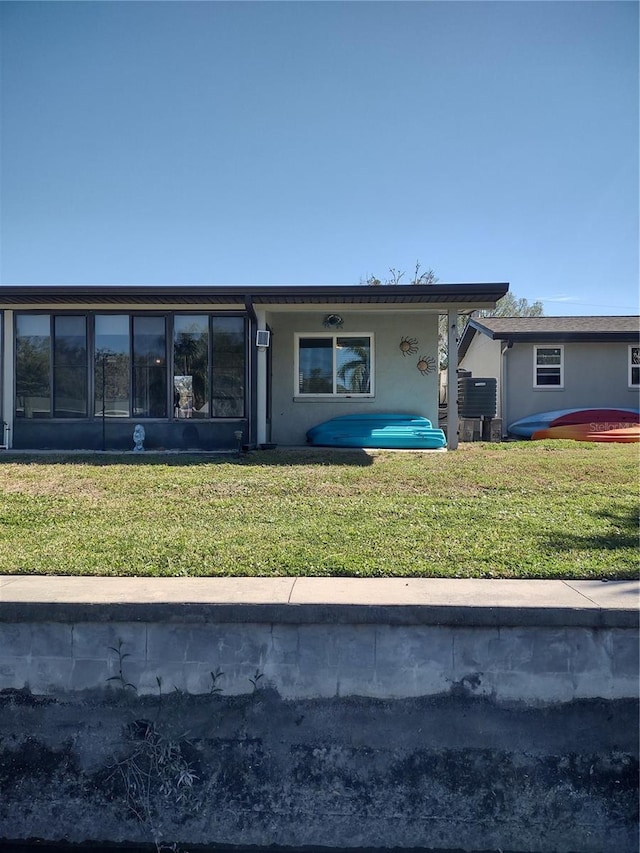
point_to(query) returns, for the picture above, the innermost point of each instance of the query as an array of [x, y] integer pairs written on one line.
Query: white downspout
[[503, 387], [7, 362], [261, 378], [452, 379]]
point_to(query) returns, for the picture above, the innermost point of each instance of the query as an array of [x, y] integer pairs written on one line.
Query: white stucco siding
[[595, 376], [483, 360], [398, 384]]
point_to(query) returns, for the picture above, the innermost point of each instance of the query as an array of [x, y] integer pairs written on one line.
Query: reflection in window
[[149, 368], [353, 365], [228, 367], [315, 366], [548, 367], [33, 366], [70, 367], [634, 366], [334, 364], [111, 365], [191, 366]]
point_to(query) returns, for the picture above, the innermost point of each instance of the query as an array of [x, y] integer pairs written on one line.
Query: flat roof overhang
[[432, 295]]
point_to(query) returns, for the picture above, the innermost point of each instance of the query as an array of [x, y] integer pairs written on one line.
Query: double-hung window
[[548, 367], [334, 365], [634, 366]]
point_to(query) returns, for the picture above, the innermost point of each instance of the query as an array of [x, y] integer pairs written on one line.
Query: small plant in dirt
[[155, 775]]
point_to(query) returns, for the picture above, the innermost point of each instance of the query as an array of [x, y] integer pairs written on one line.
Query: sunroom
[[214, 368]]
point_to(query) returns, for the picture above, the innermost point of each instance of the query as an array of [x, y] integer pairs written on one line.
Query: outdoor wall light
[[333, 321]]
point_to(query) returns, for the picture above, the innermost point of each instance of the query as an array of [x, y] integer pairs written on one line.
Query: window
[[634, 367], [149, 367], [112, 365], [548, 367], [336, 365], [130, 362], [130, 366], [69, 367], [51, 366], [209, 365], [227, 367], [33, 366], [191, 366]]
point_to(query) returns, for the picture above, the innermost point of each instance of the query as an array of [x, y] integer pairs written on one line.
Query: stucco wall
[[595, 375], [399, 386]]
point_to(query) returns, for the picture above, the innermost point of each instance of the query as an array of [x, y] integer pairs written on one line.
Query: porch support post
[[452, 379], [261, 384]]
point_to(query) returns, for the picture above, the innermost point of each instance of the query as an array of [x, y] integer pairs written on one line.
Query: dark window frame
[[91, 377]]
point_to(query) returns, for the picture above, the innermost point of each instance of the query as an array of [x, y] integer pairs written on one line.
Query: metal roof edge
[[260, 294]]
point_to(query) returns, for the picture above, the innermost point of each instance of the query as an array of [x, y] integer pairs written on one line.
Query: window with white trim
[[548, 367], [634, 366], [333, 365]]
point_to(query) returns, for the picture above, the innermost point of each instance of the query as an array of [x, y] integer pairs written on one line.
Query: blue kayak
[[378, 430]]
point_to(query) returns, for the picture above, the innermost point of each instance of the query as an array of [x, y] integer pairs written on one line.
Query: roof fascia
[[566, 337], [461, 297]]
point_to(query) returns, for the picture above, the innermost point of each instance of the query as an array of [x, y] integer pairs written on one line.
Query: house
[[545, 364], [209, 368]]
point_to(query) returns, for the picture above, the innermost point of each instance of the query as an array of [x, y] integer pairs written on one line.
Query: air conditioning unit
[[477, 398], [263, 338]]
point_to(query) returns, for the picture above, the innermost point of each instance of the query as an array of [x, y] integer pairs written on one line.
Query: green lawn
[[527, 509]]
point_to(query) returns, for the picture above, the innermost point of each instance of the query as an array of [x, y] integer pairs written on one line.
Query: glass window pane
[[549, 355], [191, 366], [353, 365], [149, 368], [548, 376], [112, 365], [228, 367], [315, 365], [33, 366], [70, 367]]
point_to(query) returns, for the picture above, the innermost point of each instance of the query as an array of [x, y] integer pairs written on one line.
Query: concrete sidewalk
[[402, 601]]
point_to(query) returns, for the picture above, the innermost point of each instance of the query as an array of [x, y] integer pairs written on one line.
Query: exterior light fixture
[[333, 321]]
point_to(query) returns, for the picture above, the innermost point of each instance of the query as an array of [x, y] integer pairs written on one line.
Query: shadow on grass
[[622, 533], [259, 458]]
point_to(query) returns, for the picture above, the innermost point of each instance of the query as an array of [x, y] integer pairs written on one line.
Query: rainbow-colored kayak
[[600, 424]]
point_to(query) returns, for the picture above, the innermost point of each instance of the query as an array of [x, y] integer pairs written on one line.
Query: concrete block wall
[[306, 661], [423, 715]]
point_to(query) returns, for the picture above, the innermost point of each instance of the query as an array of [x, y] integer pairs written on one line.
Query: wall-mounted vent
[[263, 338]]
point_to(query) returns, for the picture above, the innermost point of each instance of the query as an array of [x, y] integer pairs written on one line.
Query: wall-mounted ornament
[[333, 321], [408, 346], [426, 364]]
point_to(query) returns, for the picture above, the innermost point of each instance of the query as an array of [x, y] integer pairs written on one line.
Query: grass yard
[[526, 509]]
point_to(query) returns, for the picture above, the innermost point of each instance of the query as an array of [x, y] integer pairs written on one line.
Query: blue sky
[[319, 142]]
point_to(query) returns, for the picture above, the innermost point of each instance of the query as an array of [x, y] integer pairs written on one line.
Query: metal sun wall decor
[[333, 321], [408, 346], [426, 364]]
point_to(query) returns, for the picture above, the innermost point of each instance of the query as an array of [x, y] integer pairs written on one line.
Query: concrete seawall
[[432, 714]]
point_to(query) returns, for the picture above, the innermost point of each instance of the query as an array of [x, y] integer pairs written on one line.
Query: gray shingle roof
[[552, 329], [509, 326]]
